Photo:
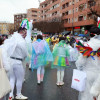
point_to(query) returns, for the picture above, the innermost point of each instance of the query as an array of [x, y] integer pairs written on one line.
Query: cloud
[[10, 7]]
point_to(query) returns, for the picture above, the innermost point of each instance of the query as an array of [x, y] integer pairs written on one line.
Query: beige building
[[33, 14], [6, 28]]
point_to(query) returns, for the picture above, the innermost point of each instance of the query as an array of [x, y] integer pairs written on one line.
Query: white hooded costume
[[16, 48], [92, 69]]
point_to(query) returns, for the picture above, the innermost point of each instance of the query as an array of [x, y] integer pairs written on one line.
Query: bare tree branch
[[94, 6], [53, 26]]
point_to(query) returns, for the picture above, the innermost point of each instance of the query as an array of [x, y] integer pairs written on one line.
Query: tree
[[94, 6], [52, 26], [10, 28]]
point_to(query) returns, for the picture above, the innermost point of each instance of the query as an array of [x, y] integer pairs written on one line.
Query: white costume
[[92, 69], [28, 41], [73, 53], [17, 51]]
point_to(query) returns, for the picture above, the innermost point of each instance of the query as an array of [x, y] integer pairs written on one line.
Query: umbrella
[[81, 35], [76, 34], [66, 33]]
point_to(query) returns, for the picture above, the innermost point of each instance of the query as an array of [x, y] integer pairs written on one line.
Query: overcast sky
[[10, 7]]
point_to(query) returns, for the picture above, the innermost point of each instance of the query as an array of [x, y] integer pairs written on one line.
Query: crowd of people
[[16, 53]]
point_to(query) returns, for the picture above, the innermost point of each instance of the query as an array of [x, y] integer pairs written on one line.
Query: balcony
[[65, 5], [54, 1], [80, 18], [81, 23], [64, 14], [81, 7], [91, 3]]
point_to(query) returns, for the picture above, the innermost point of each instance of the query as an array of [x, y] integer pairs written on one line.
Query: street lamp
[[73, 18]]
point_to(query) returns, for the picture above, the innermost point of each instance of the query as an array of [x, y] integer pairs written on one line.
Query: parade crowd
[[19, 50]]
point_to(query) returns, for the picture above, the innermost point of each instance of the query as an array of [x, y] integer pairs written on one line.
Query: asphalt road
[[48, 90]]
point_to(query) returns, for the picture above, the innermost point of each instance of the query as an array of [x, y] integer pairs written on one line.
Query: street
[[48, 90]]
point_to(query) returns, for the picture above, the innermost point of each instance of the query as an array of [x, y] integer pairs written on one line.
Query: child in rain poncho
[[60, 55]]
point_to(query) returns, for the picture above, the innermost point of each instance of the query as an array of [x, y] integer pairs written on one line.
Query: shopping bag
[[5, 87], [98, 98], [78, 80]]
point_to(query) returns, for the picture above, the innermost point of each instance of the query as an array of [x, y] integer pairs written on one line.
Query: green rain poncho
[[60, 55]]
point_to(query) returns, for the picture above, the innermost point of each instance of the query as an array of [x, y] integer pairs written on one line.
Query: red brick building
[[18, 19], [75, 13], [33, 14], [50, 9]]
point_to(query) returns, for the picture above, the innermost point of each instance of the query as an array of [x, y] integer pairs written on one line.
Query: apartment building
[[50, 9], [74, 13], [18, 19], [33, 14]]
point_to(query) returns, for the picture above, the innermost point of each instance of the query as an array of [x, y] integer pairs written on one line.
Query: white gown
[[92, 69], [73, 53]]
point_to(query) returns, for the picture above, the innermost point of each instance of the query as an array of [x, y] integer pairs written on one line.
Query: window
[[34, 15], [55, 6], [72, 20], [69, 20], [70, 11], [63, 6], [80, 18], [76, 9], [84, 17], [54, 1], [70, 3], [89, 16], [34, 20], [85, 5], [77, 1], [76, 19], [66, 21], [45, 5], [42, 6], [64, 14], [34, 11], [81, 7], [67, 4], [62, 0], [55, 13]]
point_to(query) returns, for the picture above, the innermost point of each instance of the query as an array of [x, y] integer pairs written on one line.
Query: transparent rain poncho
[[41, 54], [60, 55]]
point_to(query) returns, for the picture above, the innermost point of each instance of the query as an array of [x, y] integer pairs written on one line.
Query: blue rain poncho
[[41, 54]]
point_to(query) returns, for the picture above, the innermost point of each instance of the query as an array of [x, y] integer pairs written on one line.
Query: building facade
[[33, 14], [6, 28], [18, 19], [75, 14], [50, 10]]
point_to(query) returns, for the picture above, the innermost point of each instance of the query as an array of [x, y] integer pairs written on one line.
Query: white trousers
[[60, 74], [40, 73], [16, 78]]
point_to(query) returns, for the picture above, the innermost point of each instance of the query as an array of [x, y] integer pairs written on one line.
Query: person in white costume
[[17, 52], [91, 65]]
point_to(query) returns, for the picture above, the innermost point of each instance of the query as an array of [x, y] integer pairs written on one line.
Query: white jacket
[[16, 47]]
